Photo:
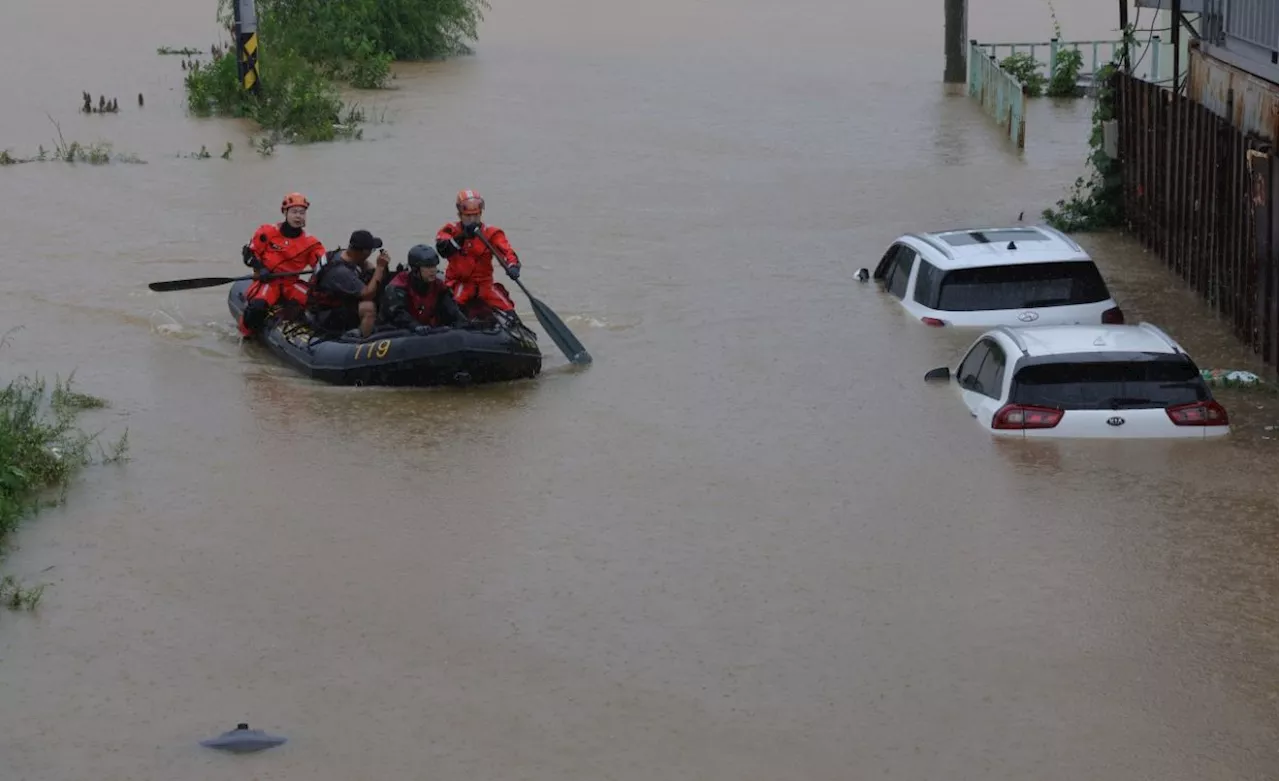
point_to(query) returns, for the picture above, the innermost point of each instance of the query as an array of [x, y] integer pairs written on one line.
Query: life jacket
[[474, 262], [423, 305], [319, 300], [282, 254]]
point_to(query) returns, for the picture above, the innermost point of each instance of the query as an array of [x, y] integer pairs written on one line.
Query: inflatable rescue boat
[[502, 350]]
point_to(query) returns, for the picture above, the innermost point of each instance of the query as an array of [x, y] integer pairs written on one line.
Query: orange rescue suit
[[470, 271], [281, 254]]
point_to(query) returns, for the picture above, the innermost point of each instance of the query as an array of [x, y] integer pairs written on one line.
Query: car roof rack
[[940, 246], [1015, 336], [1052, 231], [1156, 331]]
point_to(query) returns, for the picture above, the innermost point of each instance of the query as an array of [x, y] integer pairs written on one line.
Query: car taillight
[[1020, 416], [1113, 316], [1198, 413], [933, 321]]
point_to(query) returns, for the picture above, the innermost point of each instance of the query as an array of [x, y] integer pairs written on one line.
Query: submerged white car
[[1103, 381], [984, 277]]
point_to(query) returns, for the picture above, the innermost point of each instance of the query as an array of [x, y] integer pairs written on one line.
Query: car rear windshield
[[1024, 286], [1109, 384]]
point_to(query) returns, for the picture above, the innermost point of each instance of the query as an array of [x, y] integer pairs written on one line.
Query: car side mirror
[[940, 373], [863, 275]]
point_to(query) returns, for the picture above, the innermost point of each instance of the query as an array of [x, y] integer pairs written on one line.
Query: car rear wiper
[[1116, 401]]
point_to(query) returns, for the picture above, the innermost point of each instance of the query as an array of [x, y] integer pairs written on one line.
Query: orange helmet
[[294, 199], [469, 202]]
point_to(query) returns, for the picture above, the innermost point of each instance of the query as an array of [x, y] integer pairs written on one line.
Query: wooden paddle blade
[[560, 333], [192, 284]]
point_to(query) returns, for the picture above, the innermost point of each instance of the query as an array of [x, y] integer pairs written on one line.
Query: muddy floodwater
[[747, 543]]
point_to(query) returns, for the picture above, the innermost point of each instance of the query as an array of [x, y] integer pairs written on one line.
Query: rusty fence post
[[1261, 191]]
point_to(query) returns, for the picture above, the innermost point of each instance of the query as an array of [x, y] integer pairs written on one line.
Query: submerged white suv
[[1102, 381], [984, 277]]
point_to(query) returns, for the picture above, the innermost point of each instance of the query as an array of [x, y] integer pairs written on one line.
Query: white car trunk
[[1077, 314], [1143, 423]]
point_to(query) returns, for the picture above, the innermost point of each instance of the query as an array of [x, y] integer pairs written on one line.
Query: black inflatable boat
[[497, 352]]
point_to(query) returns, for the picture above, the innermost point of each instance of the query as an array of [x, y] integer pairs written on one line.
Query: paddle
[[193, 284], [551, 323]]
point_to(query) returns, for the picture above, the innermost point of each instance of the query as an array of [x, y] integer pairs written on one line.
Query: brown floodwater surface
[[748, 542]]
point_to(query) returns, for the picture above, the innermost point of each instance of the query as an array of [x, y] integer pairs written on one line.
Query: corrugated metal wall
[[1244, 33], [1254, 21], [1243, 99], [1211, 22]]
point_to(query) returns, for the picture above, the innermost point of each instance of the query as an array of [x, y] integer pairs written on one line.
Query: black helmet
[[423, 255]]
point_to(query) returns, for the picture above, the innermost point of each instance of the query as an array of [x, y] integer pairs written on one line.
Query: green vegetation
[[1062, 81], [295, 104], [41, 450], [1065, 78], [1096, 202], [72, 152], [1026, 69], [306, 47], [1064, 71]]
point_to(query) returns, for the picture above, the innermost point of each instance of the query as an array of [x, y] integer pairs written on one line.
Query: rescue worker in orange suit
[[470, 272], [344, 290], [417, 299], [279, 249]]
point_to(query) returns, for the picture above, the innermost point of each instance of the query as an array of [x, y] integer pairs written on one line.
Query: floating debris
[[1229, 378], [243, 740]]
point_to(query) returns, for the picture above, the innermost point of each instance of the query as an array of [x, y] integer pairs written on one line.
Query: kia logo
[[1115, 421], [1027, 317]]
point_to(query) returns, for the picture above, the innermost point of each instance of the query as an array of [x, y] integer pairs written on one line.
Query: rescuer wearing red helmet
[[470, 272], [279, 249]]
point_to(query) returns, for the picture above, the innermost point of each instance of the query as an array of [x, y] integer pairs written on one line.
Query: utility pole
[[954, 42], [1175, 21], [246, 24], [1124, 31]]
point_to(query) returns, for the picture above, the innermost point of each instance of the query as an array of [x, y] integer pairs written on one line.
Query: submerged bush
[[296, 102], [304, 46], [40, 450]]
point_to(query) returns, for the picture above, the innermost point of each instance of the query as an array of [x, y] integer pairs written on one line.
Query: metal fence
[[1151, 59], [999, 93], [1202, 194]]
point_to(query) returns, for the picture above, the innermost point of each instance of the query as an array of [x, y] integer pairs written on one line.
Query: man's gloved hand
[[472, 229], [513, 270], [247, 255], [447, 248]]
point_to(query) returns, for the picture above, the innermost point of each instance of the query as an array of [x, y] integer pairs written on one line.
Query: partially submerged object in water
[[1230, 378], [500, 351], [243, 740]]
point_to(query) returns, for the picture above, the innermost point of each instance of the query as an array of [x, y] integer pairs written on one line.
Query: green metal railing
[[1147, 57], [999, 93]]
